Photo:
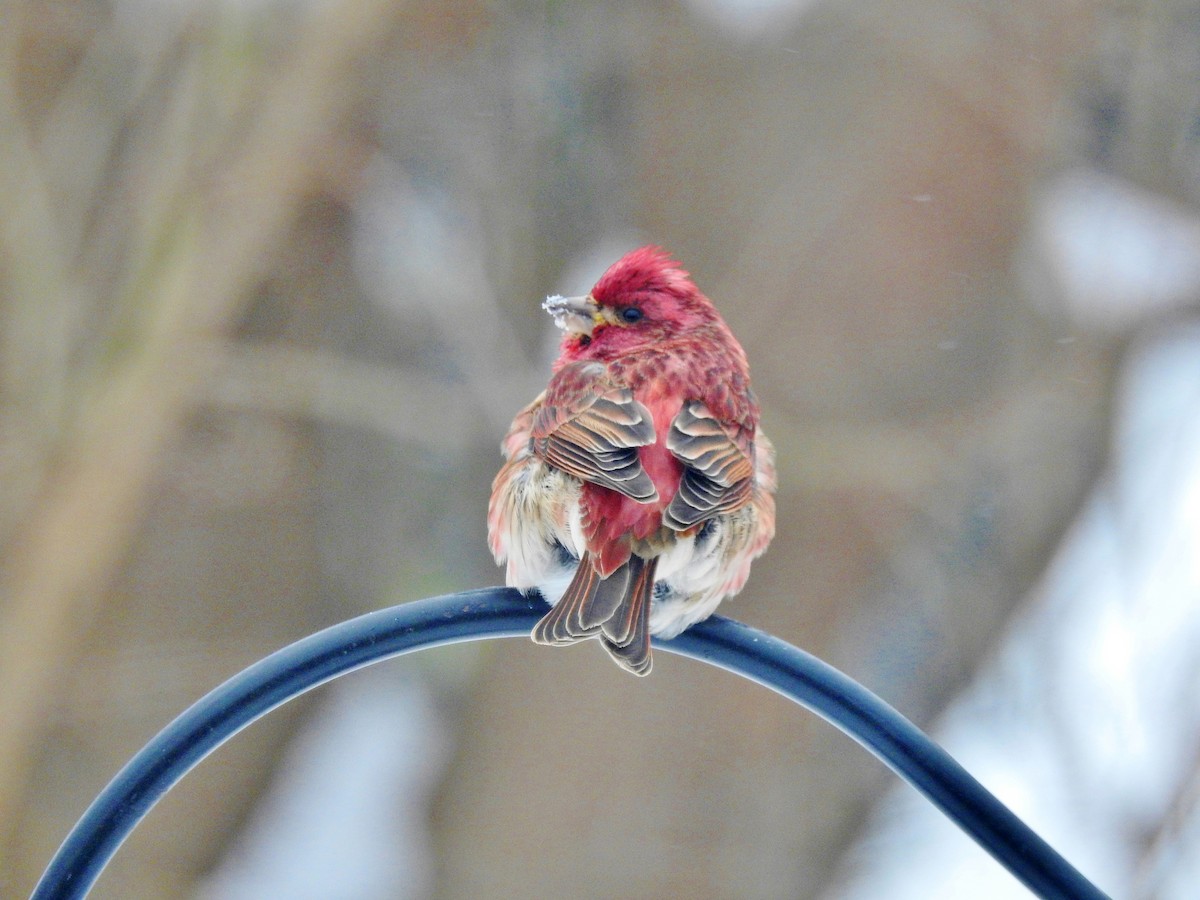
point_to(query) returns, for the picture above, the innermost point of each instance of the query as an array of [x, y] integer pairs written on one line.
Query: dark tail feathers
[[616, 610]]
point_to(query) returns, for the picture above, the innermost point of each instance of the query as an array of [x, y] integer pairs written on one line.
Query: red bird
[[637, 488]]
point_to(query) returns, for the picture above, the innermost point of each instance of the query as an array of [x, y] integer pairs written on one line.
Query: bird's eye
[[631, 314]]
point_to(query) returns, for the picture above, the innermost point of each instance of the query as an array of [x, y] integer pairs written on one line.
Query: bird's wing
[[592, 428], [718, 466], [515, 445]]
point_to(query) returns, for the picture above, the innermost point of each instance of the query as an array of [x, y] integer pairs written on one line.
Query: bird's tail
[[616, 610]]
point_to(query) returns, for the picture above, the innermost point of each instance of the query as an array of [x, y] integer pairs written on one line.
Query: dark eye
[[631, 314]]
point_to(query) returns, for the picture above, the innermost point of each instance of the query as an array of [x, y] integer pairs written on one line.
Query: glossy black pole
[[500, 612]]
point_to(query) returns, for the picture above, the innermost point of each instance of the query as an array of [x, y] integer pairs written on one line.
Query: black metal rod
[[501, 612]]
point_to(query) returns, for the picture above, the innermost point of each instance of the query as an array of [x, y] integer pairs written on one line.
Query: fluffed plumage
[[637, 488]]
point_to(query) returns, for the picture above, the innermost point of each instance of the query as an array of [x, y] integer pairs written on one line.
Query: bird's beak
[[574, 315]]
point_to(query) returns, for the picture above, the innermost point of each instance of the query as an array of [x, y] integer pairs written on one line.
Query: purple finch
[[637, 488]]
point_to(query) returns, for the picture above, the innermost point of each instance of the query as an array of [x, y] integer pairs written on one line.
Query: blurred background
[[270, 277]]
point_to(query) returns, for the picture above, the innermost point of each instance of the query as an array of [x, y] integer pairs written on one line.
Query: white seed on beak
[[575, 315]]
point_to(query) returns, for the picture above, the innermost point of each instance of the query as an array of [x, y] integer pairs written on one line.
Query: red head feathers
[[645, 270]]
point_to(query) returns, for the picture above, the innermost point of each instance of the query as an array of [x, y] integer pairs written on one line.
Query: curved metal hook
[[502, 612]]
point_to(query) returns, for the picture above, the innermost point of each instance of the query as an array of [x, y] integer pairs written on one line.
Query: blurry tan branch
[[296, 382], [205, 245], [112, 80], [35, 265]]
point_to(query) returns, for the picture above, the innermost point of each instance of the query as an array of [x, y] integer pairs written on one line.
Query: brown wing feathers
[[599, 442], [718, 466]]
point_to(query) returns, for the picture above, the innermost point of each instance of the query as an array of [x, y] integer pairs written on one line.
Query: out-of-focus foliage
[[269, 286]]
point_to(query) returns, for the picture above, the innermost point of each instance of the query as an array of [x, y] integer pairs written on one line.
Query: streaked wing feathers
[[599, 442], [718, 466]]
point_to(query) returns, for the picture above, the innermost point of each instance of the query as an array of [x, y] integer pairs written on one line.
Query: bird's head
[[643, 299]]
